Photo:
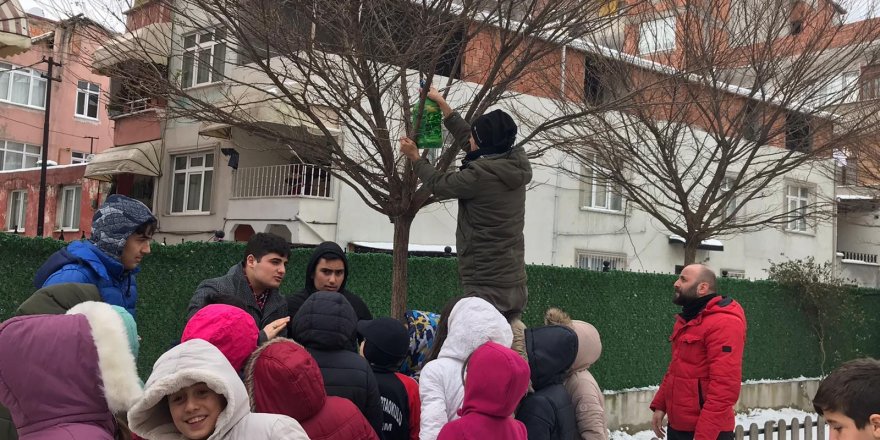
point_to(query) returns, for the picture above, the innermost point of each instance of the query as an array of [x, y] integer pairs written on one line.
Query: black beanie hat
[[494, 132], [387, 341]]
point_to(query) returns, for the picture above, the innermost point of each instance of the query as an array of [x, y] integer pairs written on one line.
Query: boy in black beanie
[[385, 345]]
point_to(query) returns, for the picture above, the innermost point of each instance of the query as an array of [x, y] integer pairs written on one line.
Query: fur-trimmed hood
[[472, 323], [67, 369], [589, 342], [187, 364]]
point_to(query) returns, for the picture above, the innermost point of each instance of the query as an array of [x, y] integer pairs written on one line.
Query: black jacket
[[295, 301], [548, 412], [234, 283], [326, 325]]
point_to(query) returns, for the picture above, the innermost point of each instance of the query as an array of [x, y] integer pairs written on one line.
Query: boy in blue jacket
[[121, 232]]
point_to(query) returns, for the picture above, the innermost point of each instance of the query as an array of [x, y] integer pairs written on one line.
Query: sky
[[107, 11]]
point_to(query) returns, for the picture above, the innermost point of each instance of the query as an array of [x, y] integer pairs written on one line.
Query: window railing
[[291, 180], [859, 256], [129, 107]]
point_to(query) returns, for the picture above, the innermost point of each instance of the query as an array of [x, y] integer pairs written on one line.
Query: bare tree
[[348, 71], [724, 100]]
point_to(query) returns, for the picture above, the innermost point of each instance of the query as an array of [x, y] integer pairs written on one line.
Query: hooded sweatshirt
[[295, 301], [548, 412], [326, 325], [97, 261], [491, 193], [196, 361], [587, 397], [69, 375], [230, 329], [497, 378], [282, 368], [472, 323]]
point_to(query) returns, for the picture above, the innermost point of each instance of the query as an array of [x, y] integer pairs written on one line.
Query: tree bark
[[690, 251], [400, 264]]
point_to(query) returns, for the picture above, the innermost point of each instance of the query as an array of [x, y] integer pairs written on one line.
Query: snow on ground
[[758, 416]]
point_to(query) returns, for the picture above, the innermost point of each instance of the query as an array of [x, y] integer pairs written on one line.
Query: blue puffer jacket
[[117, 285]]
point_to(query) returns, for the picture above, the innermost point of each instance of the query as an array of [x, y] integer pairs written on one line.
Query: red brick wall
[[56, 178]]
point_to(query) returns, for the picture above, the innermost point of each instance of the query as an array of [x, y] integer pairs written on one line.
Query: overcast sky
[[106, 11]]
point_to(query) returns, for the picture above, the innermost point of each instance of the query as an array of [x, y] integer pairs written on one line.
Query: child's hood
[[589, 345], [67, 368], [279, 369], [472, 323], [187, 364], [497, 379]]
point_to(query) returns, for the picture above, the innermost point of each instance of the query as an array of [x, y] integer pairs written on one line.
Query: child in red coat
[[496, 379]]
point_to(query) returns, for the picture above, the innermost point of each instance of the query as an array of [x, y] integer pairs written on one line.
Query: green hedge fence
[[632, 311]]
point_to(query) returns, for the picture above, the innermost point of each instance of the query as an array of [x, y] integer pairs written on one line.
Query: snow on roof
[[709, 242], [853, 197]]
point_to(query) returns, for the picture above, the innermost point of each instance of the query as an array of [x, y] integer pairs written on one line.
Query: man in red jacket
[[703, 381]]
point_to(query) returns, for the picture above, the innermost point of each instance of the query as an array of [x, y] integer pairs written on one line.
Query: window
[[598, 193], [193, 178], [847, 166], [16, 155], [15, 216], [753, 122], [842, 89], [22, 86], [657, 35], [796, 200], [68, 210], [732, 205], [590, 260], [87, 95], [798, 132], [204, 58], [595, 82], [78, 157]]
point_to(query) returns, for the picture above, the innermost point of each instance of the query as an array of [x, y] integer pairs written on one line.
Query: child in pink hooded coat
[[496, 378]]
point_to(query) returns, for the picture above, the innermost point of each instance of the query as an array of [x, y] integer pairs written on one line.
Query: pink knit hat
[[230, 329]]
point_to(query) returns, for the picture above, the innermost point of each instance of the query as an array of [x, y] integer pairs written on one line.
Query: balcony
[[291, 180], [131, 107], [150, 44], [860, 268]]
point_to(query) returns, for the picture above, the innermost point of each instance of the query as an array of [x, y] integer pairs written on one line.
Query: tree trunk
[[400, 262], [690, 251]]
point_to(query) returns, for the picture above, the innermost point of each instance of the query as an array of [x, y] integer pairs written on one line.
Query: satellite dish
[[37, 11]]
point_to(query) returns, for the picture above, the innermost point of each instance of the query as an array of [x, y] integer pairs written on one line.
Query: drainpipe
[[562, 72], [555, 246]]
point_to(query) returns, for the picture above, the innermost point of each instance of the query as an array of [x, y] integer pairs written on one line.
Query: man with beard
[[703, 381]]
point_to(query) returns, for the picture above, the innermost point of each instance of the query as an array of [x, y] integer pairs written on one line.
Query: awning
[[14, 34], [143, 159], [414, 249], [150, 44], [706, 245]]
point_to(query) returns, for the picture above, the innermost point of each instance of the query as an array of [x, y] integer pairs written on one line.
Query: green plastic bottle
[[430, 132]]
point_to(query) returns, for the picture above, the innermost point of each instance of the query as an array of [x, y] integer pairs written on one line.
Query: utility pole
[[41, 213], [91, 143]]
